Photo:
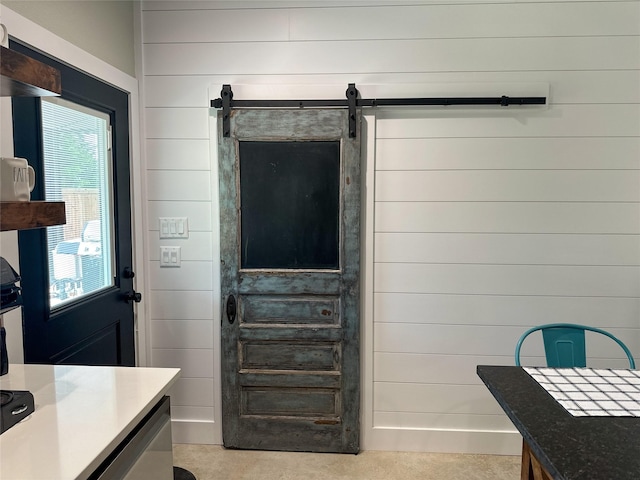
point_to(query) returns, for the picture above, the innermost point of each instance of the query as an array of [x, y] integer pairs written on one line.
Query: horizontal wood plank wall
[[486, 221]]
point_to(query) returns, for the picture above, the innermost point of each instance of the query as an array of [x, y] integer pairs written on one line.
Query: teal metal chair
[[564, 344]]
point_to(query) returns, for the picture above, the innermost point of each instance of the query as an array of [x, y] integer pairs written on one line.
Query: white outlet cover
[[174, 227], [170, 257]]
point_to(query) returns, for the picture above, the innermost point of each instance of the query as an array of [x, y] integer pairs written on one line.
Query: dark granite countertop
[[570, 448]]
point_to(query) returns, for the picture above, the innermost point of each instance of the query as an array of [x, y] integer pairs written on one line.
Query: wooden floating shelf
[[22, 76], [25, 215]]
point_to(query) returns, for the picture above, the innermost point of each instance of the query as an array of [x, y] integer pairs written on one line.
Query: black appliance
[[10, 293], [10, 298], [15, 405]]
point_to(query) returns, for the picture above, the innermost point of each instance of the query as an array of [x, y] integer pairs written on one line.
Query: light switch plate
[[174, 227], [169, 256]]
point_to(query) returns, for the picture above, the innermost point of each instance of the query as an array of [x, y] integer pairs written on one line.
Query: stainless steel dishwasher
[[146, 453]]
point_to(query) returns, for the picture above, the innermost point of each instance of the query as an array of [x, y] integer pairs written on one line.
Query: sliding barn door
[[290, 255]]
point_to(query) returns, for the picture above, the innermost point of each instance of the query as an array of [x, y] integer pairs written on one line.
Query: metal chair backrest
[[564, 344]]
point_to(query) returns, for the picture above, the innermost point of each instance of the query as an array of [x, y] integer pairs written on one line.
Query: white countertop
[[81, 415]]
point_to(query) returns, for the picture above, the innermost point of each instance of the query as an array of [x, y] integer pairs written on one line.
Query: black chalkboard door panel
[[290, 202], [290, 276]]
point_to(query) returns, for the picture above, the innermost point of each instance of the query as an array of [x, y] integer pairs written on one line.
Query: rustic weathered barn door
[[290, 262]]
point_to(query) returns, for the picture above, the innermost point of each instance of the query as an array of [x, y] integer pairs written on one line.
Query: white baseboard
[[443, 441], [386, 439], [194, 432]]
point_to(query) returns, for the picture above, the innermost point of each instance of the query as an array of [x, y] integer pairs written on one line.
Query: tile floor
[[212, 462]]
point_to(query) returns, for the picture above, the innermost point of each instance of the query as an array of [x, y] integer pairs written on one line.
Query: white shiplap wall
[[481, 222]]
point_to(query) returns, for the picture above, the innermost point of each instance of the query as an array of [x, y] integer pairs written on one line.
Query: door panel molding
[[106, 340], [317, 309], [267, 282], [255, 125]]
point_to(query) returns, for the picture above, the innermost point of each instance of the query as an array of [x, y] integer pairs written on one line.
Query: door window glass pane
[[290, 204], [77, 171]]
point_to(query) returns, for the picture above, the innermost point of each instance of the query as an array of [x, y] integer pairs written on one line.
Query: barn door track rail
[[227, 103]]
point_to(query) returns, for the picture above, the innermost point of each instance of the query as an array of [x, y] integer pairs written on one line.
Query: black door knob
[[128, 273], [231, 308], [135, 296]]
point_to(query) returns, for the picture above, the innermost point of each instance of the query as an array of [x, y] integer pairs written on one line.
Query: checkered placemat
[[592, 392]]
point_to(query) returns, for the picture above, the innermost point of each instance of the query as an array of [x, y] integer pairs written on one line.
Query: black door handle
[[128, 273], [231, 308], [135, 296]]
